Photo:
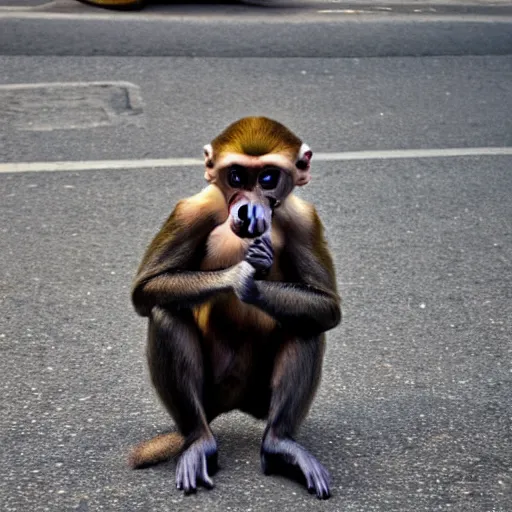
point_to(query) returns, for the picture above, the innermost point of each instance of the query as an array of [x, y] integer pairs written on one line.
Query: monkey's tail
[[159, 449]]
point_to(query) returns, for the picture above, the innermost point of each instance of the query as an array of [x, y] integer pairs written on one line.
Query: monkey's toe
[[299, 465], [317, 477], [192, 467]]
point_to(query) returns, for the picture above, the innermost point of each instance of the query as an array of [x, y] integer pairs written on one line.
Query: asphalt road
[[316, 28], [414, 411]]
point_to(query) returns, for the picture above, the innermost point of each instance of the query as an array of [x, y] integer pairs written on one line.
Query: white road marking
[[106, 165], [411, 153], [98, 165]]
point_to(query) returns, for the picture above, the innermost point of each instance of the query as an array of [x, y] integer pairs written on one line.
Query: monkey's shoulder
[[299, 217], [207, 203], [223, 248]]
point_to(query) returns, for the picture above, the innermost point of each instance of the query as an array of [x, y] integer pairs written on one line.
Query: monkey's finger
[[191, 484], [260, 256], [322, 489], [260, 264], [266, 240], [320, 479], [185, 484], [268, 249], [261, 253], [258, 251], [260, 216], [251, 216], [205, 477], [263, 243], [324, 493], [327, 477], [186, 474], [309, 483], [179, 476]]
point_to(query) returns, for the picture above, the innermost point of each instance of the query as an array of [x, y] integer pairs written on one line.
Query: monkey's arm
[[187, 288], [301, 309], [167, 274], [309, 304]]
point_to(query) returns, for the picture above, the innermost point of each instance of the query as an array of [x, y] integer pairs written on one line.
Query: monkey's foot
[[194, 464], [286, 457]]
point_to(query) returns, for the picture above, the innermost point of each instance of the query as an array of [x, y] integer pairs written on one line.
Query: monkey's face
[[252, 194], [256, 162]]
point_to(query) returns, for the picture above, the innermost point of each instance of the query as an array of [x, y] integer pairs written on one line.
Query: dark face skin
[[252, 195]]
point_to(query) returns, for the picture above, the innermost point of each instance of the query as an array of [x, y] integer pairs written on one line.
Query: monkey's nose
[[243, 212], [251, 220]]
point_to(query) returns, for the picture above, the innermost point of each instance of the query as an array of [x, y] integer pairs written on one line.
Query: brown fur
[[223, 250], [159, 449], [256, 136], [222, 337]]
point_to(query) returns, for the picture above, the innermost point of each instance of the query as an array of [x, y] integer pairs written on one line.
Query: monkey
[[239, 289]]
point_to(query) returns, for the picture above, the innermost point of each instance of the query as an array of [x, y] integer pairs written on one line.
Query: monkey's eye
[[237, 177], [269, 179]]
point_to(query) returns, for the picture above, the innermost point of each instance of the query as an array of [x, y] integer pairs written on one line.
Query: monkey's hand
[[261, 254], [258, 260], [241, 278]]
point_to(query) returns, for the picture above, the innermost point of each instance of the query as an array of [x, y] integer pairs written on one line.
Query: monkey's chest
[[225, 317], [223, 248]]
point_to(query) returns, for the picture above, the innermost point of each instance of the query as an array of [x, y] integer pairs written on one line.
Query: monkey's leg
[[295, 379], [177, 370]]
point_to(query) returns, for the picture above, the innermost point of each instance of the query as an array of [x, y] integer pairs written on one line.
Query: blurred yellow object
[[116, 4]]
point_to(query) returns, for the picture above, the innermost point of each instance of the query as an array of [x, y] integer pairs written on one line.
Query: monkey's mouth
[[249, 219], [235, 199], [240, 196]]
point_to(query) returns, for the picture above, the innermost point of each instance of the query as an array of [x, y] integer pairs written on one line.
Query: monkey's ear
[[208, 162], [302, 164]]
